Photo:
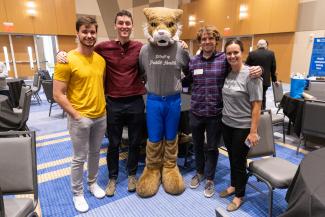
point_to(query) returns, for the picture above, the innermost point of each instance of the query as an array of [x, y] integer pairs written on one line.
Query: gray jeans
[[86, 135]]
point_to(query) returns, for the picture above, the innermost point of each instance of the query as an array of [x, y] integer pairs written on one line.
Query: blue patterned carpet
[[55, 195]]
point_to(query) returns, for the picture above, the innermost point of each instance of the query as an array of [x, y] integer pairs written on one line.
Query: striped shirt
[[208, 76]]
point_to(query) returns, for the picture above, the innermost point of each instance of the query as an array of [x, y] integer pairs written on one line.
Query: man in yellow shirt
[[78, 89]]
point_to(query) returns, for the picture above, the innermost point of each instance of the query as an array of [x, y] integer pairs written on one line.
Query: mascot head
[[162, 27]]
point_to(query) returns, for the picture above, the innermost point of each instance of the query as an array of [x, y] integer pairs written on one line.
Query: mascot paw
[[172, 180], [149, 182]]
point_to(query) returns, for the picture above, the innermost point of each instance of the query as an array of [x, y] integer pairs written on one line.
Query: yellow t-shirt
[[84, 76]]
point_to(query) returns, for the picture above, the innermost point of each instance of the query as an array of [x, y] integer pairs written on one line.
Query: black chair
[[277, 95], [312, 121], [48, 90], [19, 109], [25, 110], [278, 119], [273, 171], [18, 173], [36, 87], [45, 75]]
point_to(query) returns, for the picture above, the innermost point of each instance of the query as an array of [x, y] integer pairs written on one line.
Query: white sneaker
[[96, 191], [80, 203]]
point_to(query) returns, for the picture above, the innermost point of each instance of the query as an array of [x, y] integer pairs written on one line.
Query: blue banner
[[317, 62]]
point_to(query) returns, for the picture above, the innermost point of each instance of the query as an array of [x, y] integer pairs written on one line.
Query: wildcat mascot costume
[[162, 61]]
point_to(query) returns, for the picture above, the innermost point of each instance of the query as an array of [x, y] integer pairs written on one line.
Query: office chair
[[277, 95], [278, 119], [312, 121], [18, 173], [36, 87], [273, 171], [19, 109]]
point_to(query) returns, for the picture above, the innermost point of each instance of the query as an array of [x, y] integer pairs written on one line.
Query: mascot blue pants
[[163, 115]]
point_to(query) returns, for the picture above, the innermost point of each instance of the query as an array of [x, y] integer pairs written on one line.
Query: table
[[293, 109], [8, 119], [14, 90], [306, 194]]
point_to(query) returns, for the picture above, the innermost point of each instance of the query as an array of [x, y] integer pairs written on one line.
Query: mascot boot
[[150, 179], [172, 180]]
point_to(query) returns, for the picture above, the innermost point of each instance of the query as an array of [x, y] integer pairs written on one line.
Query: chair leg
[[298, 146], [50, 109], [39, 100], [284, 132], [270, 200]]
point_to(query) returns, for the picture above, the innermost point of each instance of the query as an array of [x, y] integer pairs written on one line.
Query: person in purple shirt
[[208, 71]]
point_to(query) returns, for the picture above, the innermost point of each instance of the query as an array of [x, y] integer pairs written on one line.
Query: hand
[[253, 138], [183, 44], [277, 83], [77, 117], [61, 57], [255, 71]]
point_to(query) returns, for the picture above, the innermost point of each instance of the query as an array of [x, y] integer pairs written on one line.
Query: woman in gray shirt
[[242, 98]]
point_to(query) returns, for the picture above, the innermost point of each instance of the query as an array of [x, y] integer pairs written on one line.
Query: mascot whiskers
[[162, 60]]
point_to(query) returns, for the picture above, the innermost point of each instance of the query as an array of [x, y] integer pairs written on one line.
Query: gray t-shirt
[[238, 92], [162, 67]]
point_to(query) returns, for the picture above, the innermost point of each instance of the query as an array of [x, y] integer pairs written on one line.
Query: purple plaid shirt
[[206, 97]]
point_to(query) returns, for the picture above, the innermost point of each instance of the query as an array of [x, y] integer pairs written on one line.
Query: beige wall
[[310, 25]]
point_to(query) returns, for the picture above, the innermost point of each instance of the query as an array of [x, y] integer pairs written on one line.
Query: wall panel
[[4, 41], [20, 44], [3, 15], [16, 13], [67, 43], [45, 22], [65, 16]]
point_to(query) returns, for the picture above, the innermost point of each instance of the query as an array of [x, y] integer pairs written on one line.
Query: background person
[[78, 89], [4, 90], [264, 57], [242, 97]]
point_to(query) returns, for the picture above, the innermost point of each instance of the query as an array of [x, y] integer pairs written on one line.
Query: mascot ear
[[147, 12], [178, 13]]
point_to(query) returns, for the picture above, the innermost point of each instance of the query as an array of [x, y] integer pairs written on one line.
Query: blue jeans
[[163, 114]]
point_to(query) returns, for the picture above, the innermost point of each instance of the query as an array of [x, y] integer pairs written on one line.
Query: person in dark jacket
[[265, 58]]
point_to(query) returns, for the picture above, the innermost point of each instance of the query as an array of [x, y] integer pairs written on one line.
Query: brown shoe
[[132, 182], [225, 193], [111, 188], [233, 207]]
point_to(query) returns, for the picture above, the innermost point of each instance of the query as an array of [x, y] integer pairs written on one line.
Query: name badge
[[198, 71]]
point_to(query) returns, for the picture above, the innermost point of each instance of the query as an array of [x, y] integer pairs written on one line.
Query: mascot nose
[[161, 33]]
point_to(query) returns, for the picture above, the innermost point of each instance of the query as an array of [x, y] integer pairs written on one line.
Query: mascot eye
[[171, 24], [153, 24]]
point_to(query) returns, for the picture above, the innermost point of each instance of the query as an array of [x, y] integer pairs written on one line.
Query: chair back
[[312, 119], [48, 90], [45, 75], [316, 86], [37, 81], [266, 146], [277, 93], [23, 91], [26, 109], [18, 163]]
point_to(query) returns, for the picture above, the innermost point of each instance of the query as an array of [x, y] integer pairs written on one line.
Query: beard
[[87, 44]]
